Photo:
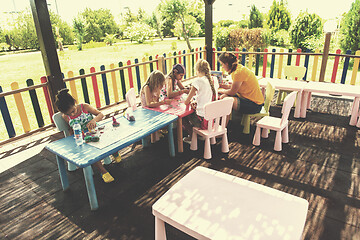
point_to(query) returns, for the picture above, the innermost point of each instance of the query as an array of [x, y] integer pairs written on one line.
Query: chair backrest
[[269, 94], [61, 124], [216, 112], [294, 72], [287, 105], [131, 98]]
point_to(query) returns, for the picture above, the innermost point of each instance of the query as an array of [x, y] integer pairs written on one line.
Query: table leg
[[180, 135], [171, 140], [89, 181], [160, 233], [354, 112], [62, 172], [298, 105], [304, 101]]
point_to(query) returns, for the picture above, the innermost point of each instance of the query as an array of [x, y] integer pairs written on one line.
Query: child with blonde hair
[[150, 91], [203, 87]]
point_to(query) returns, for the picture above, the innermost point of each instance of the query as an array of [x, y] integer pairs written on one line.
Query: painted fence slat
[[200, 54], [289, 57], [213, 59], [281, 61], [188, 70], [346, 66], [297, 62], [138, 79], [192, 63], [6, 116], [114, 83], [257, 63], [122, 80], [336, 65], [151, 64], [355, 68], [105, 85], [157, 62], [272, 64], [21, 108], [265, 63], [175, 61], [47, 98], [185, 65], [306, 63], [165, 63], [315, 64], [131, 81], [145, 69], [84, 87], [218, 63], [236, 54], [95, 88], [197, 54], [35, 104], [179, 54], [243, 57], [251, 60], [73, 86]]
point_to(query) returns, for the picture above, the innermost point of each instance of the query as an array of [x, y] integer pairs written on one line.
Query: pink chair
[[280, 125], [131, 98], [215, 113]]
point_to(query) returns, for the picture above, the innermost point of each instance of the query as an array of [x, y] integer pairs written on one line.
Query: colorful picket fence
[[104, 88]]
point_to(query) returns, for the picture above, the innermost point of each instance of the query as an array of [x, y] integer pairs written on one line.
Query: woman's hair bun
[[63, 91]]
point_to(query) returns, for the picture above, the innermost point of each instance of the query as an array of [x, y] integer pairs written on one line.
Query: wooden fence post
[[325, 56]]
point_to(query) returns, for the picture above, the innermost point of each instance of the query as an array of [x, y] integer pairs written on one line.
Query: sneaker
[[117, 157], [187, 139], [107, 177]]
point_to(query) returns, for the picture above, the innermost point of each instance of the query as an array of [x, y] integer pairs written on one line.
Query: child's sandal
[[107, 177], [117, 157]]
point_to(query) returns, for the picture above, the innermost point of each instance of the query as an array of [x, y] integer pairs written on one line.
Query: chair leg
[[107, 160], [265, 133], [193, 145], [224, 144], [285, 135], [212, 140], [246, 124], [257, 137], [207, 149], [278, 99], [277, 146]]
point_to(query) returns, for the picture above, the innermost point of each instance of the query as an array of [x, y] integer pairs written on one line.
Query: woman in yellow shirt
[[245, 89]]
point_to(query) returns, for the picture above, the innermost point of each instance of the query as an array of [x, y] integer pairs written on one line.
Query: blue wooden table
[[83, 156]]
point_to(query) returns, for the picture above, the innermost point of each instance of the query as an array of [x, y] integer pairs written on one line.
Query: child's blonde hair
[[155, 79], [204, 67]]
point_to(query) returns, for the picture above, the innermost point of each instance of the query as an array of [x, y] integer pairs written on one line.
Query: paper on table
[[111, 134]]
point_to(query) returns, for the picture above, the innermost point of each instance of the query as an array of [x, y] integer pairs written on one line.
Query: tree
[[79, 29], [97, 24], [256, 18], [350, 29], [306, 26], [279, 16], [156, 21], [64, 30], [177, 10], [193, 27]]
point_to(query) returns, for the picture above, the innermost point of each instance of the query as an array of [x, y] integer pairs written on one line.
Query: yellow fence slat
[[114, 83], [315, 64], [355, 68], [281, 60], [73, 86], [251, 60], [21, 108], [144, 70]]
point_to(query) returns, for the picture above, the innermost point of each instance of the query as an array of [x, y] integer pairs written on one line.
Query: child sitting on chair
[[84, 115], [203, 86], [150, 91], [173, 86]]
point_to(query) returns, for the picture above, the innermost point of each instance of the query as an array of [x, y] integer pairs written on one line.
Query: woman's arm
[[98, 115], [235, 86], [150, 101]]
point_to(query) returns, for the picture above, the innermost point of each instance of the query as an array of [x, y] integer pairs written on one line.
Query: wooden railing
[[21, 118]]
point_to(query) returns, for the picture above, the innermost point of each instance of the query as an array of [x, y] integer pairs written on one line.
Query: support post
[[208, 31], [325, 56], [47, 46]]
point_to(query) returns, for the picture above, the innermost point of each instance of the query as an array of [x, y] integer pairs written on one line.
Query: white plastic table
[[287, 85], [147, 121], [208, 204], [336, 89]]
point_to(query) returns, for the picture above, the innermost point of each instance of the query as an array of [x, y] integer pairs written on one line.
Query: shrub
[[350, 29], [139, 32], [280, 38], [221, 35], [247, 38]]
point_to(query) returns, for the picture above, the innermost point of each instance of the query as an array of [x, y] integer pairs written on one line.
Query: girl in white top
[[205, 91]]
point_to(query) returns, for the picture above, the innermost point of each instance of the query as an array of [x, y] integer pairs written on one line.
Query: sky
[[223, 9]]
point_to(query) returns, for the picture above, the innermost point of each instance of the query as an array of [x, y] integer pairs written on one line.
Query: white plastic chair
[[63, 126], [291, 73], [215, 113], [280, 125], [131, 98], [245, 121]]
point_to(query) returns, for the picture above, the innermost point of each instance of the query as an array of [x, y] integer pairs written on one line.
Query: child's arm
[[183, 89], [191, 95], [169, 89], [66, 119], [150, 101], [98, 115]]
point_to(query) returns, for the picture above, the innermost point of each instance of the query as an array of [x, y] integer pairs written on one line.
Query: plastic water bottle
[[77, 134]]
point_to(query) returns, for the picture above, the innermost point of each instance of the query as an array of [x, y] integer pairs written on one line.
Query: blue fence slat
[[200, 55], [218, 63], [289, 57], [6, 116], [63, 76], [165, 65], [151, 64], [137, 70], [346, 66], [272, 65], [243, 57], [306, 63], [175, 61], [35, 103], [122, 80], [105, 85]]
